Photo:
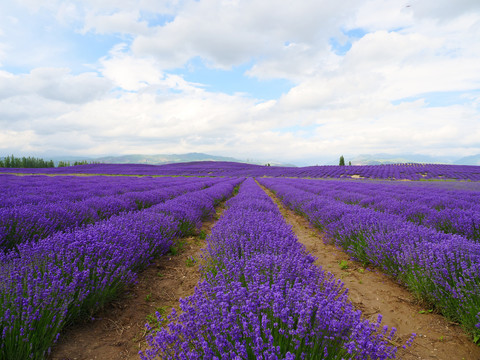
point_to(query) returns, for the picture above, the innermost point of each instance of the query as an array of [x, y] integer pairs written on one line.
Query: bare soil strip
[[118, 332], [375, 293]]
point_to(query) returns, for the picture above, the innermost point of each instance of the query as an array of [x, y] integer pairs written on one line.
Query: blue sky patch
[[154, 20], [442, 98], [338, 48], [304, 131], [233, 81], [87, 49], [357, 33], [342, 48]]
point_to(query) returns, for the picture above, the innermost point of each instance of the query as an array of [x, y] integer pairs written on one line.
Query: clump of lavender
[[262, 297]]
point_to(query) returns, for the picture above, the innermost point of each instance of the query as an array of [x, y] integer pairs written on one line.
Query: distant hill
[[161, 159], [363, 159], [379, 159], [469, 160]]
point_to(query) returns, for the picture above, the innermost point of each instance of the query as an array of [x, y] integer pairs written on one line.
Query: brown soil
[[118, 332], [375, 293]]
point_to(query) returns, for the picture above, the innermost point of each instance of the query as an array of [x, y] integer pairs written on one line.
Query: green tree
[[63, 163], [16, 162], [342, 161], [25, 162], [82, 162]]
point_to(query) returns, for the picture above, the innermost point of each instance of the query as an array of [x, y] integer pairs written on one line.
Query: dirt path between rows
[[118, 332], [375, 293]]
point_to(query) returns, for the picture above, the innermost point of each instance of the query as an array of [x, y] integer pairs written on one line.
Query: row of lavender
[[36, 221], [450, 211], [443, 269], [213, 168], [49, 283], [21, 190], [262, 297]]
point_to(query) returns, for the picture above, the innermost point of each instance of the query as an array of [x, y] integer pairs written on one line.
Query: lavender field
[[427, 237], [71, 244], [218, 168], [62, 259]]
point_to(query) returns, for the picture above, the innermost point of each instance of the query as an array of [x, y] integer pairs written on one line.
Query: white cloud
[[375, 15], [296, 62], [203, 121], [54, 84], [128, 72], [15, 142], [443, 9], [133, 73], [67, 13], [230, 33], [156, 6], [386, 66], [128, 22], [59, 84], [2, 52], [150, 123]]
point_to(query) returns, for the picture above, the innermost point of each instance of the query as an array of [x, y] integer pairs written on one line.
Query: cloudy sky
[[300, 82]]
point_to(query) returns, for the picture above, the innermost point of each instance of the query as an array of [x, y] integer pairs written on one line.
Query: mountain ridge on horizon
[[384, 159], [362, 159], [161, 159]]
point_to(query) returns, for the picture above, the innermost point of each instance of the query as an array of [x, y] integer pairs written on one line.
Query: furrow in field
[[118, 332]]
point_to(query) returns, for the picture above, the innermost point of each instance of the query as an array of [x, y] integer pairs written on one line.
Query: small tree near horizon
[[342, 161]]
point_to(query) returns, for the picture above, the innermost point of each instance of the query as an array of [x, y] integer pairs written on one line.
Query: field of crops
[[427, 237], [65, 258], [216, 168], [71, 244], [263, 298]]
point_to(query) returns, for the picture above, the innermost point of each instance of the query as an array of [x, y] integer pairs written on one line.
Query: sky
[[300, 82]]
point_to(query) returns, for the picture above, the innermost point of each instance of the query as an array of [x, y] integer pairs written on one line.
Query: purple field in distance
[[213, 168]]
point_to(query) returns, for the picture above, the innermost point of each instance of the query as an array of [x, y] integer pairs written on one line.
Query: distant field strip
[[86, 201], [23, 190], [433, 172], [451, 211]]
